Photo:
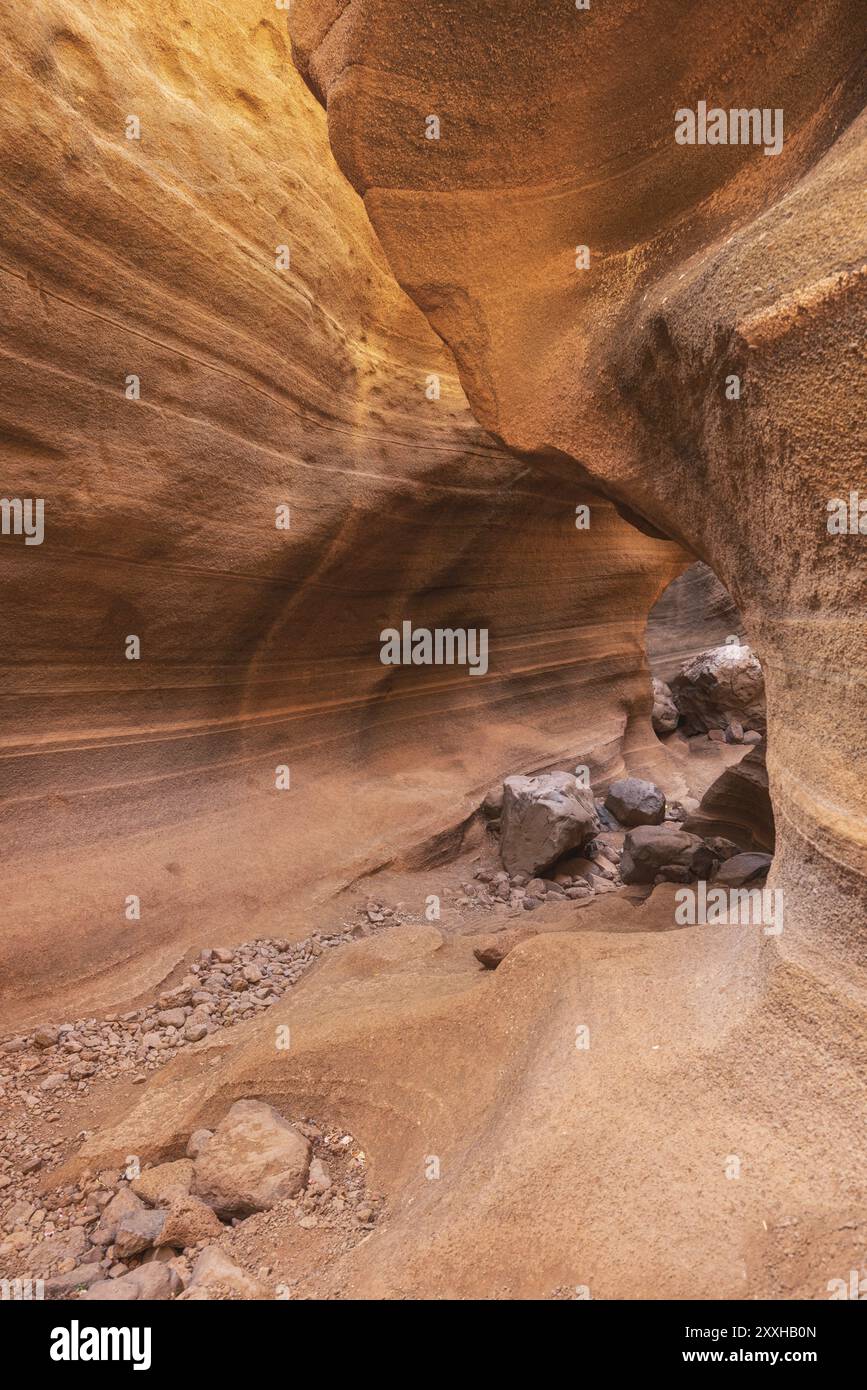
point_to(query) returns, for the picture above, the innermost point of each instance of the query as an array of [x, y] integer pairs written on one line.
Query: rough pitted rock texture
[[721, 686], [706, 262], [650, 848], [254, 1159], [543, 818], [633, 801]]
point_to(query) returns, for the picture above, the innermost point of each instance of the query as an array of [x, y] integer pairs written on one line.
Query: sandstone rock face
[[618, 372], [719, 687], [633, 801], [694, 613], [738, 806], [300, 469], [544, 817], [650, 848], [255, 1158]]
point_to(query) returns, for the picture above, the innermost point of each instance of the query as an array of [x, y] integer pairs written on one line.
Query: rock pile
[[154, 1233], [224, 986], [576, 878]]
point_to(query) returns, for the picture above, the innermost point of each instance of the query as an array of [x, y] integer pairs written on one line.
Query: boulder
[[197, 1141], [493, 949], [742, 869], [253, 1159], [161, 1185], [721, 687], [632, 801], [215, 1276], [650, 848], [543, 818], [123, 1204], [137, 1231], [665, 714], [188, 1221]]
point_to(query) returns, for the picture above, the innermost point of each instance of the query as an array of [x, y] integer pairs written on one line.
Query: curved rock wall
[[260, 387], [706, 263]]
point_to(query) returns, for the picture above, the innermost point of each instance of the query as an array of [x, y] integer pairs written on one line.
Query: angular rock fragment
[[665, 714], [254, 1159], [634, 801], [163, 1184], [215, 1276], [137, 1231], [188, 1221], [543, 818]]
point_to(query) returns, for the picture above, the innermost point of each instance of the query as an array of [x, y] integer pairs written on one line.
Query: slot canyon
[[325, 976]]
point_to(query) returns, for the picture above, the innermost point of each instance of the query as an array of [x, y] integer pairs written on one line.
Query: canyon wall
[[681, 325], [693, 614], [153, 161]]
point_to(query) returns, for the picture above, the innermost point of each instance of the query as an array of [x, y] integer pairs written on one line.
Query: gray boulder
[[649, 849], [632, 801], [720, 687], [543, 818], [137, 1231], [742, 869]]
